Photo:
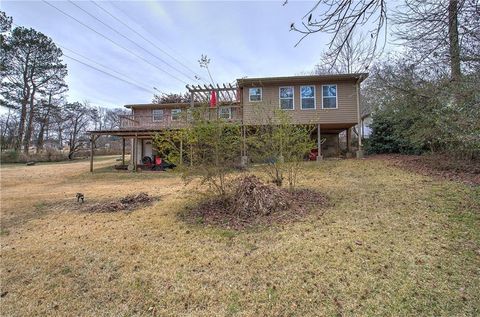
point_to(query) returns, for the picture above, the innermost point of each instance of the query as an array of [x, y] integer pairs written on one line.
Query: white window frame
[[179, 112], [314, 97], [250, 96], [153, 115], [229, 112], [280, 98], [336, 96]]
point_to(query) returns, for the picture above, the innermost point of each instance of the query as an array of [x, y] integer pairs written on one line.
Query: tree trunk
[[453, 39], [28, 132]]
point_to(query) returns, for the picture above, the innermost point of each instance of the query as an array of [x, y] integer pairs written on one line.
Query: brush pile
[[252, 197], [127, 203], [252, 202]]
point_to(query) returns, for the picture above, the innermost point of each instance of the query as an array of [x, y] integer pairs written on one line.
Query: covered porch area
[[139, 143]]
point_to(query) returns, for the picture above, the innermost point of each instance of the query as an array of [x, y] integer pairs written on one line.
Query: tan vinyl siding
[[255, 112]]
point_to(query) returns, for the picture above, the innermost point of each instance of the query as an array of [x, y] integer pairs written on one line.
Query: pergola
[[226, 94]]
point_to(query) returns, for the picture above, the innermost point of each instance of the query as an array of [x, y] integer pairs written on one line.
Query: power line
[[97, 63], [130, 80], [147, 40], [112, 41], [130, 40], [107, 73]]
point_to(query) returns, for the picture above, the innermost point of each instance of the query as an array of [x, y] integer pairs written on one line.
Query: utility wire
[[147, 40], [112, 41], [177, 53], [130, 80], [107, 73], [130, 40], [101, 65]]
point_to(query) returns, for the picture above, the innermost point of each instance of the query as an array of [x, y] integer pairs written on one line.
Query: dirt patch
[[252, 203], [438, 166], [127, 203]]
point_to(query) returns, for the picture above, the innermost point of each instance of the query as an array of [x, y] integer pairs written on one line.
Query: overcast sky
[[241, 39]]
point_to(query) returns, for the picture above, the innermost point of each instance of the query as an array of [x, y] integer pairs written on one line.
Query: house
[[330, 102]]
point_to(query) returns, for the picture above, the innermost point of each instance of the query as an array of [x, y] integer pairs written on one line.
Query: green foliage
[[210, 149], [281, 146], [417, 112]]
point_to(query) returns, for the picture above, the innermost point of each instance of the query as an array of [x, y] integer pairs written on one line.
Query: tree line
[[424, 95], [37, 114]]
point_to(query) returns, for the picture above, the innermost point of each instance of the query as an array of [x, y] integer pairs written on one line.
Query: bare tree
[[355, 57], [171, 98], [342, 19], [79, 117]]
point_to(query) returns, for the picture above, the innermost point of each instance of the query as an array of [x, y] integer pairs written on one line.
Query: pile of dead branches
[[127, 203], [251, 202], [252, 197]]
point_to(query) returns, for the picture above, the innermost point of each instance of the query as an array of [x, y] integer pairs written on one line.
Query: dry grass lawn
[[392, 243]]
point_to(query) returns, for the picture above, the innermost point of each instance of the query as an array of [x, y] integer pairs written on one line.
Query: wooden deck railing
[[183, 120]]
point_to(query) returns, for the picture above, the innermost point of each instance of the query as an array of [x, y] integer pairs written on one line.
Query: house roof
[[157, 105], [260, 81]]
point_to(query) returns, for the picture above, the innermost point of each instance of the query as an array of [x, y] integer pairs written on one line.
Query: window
[[307, 95], [176, 114], [329, 96], [225, 113], [157, 115], [255, 94], [286, 98]]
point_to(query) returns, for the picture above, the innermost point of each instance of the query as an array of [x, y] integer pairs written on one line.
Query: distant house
[[331, 102]]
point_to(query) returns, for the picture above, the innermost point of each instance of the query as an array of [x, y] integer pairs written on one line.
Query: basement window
[[307, 94], [176, 113], [286, 98], [157, 115], [329, 97], [255, 94]]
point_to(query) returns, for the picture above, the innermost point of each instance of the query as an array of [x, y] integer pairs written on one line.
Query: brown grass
[[392, 243]]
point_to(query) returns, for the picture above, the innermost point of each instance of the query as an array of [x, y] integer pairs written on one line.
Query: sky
[[242, 39]]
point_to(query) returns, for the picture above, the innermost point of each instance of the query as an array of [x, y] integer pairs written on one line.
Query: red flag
[[213, 99]]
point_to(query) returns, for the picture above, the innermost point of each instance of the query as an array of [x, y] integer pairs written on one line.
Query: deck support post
[[123, 151], [319, 144], [360, 123], [135, 154], [92, 141]]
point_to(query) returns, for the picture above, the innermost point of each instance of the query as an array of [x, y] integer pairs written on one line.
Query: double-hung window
[[176, 113], [157, 115], [307, 97], [255, 94], [286, 95], [225, 113], [329, 96]]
